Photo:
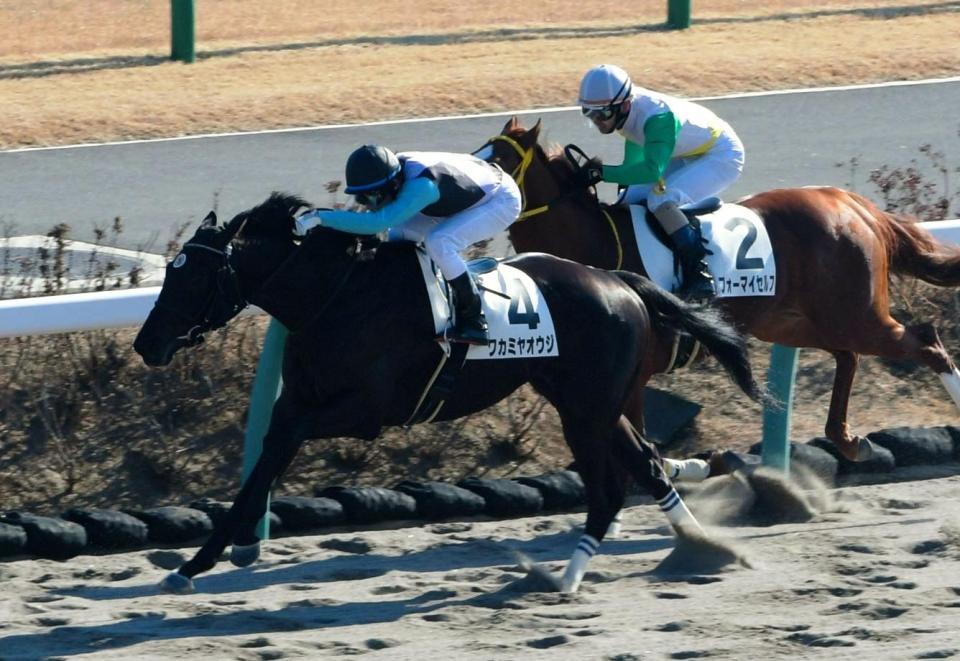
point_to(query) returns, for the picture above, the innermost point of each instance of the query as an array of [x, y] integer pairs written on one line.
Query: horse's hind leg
[[919, 343], [679, 470], [640, 459]]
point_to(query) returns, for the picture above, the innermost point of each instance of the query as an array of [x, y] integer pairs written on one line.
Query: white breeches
[[689, 180], [445, 237]]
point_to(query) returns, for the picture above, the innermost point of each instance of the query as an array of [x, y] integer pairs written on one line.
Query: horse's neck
[[578, 232], [304, 290]]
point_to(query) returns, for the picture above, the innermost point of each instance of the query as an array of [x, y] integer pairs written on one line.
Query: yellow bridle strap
[[616, 237], [518, 174]]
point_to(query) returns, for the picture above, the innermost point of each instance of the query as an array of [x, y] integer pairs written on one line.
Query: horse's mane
[[564, 169], [273, 218]]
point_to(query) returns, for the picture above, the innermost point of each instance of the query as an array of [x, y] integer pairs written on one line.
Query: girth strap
[[440, 385]]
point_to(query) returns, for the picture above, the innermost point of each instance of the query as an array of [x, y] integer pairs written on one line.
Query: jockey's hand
[[591, 173], [307, 222]]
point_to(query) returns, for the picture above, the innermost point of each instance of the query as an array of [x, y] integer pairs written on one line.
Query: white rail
[[129, 307]]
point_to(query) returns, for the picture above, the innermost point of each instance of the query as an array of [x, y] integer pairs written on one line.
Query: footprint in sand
[[670, 595], [549, 641], [810, 639], [168, 560], [388, 589], [938, 654], [357, 545], [52, 621], [381, 643]]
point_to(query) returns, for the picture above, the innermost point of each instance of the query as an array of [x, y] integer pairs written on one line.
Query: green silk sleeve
[[644, 164]]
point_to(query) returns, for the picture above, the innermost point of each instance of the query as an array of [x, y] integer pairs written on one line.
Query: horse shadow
[[306, 613]]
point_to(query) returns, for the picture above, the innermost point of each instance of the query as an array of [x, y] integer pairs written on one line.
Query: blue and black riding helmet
[[372, 175]]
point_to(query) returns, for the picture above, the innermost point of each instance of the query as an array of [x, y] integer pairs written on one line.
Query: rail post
[[266, 387], [182, 30], [775, 450], [678, 14]]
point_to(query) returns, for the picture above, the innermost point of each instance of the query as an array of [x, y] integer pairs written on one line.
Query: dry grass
[[76, 71], [306, 66]]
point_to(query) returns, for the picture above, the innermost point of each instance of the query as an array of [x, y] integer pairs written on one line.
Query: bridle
[[223, 302], [519, 175]]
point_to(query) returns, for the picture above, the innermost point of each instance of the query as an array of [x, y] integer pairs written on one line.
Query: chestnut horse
[[362, 349], [834, 249]]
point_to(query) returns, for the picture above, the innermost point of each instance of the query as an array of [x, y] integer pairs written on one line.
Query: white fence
[[129, 307]]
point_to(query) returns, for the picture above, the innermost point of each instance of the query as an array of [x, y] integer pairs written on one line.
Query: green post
[[182, 32], [266, 387], [776, 422], [678, 14]]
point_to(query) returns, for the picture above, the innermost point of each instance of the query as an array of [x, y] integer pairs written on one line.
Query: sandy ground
[[875, 575]]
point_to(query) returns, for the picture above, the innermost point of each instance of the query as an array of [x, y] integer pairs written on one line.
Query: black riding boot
[[470, 326], [697, 283]]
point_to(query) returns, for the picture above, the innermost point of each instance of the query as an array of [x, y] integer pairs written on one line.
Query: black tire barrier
[[814, 458], [298, 513], [13, 540], [372, 504], [915, 446], [560, 490], [217, 510], [48, 537], [174, 525], [505, 497], [882, 460], [441, 500], [109, 529]]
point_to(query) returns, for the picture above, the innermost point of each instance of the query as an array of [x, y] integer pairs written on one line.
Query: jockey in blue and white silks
[[447, 201], [677, 152]]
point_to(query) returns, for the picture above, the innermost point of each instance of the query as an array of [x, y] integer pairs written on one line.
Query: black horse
[[361, 349]]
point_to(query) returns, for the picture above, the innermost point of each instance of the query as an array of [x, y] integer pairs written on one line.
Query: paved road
[[792, 139]]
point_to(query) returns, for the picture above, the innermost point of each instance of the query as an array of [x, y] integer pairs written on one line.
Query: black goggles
[[603, 114], [371, 198]]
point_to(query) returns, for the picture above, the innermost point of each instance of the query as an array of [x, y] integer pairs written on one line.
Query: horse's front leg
[[279, 448]]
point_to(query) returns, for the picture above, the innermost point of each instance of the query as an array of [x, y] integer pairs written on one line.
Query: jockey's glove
[[308, 221], [591, 173]]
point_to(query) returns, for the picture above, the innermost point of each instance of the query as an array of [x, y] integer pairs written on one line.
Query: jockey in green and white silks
[[444, 200], [677, 152]]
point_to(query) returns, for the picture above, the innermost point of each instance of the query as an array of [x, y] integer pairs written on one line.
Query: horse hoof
[[244, 556], [176, 583], [866, 450]]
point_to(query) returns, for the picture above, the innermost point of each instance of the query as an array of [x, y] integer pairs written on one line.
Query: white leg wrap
[[677, 513], [686, 470], [586, 549], [613, 530], [951, 381]]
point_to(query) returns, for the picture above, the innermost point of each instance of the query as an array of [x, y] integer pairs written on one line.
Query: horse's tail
[[706, 325], [916, 252]]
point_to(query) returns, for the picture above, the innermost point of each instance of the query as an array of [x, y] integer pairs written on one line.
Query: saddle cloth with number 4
[[520, 322]]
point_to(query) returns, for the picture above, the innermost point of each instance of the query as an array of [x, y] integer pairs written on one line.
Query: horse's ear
[[511, 125], [529, 139], [234, 226], [209, 221]]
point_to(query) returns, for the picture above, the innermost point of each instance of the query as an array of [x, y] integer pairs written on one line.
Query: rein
[[519, 174], [225, 273]]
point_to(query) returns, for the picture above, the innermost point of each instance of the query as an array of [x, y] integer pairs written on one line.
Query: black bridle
[[223, 303]]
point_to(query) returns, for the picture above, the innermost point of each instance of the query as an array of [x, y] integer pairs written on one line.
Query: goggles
[[604, 114], [372, 199]]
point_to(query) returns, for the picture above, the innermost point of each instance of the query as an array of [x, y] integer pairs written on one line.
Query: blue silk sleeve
[[414, 196]]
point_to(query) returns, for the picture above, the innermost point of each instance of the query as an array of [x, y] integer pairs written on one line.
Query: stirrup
[[474, 336]]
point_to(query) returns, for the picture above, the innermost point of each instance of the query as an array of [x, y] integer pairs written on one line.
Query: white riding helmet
[[604, 86]]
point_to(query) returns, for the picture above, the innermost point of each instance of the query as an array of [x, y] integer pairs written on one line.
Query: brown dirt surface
[[84, 423]]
